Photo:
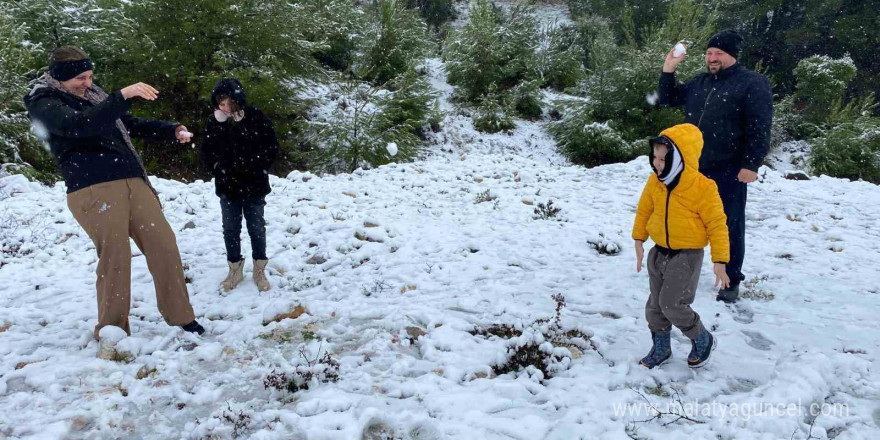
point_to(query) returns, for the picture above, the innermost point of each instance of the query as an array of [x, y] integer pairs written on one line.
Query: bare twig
[[677, 413]]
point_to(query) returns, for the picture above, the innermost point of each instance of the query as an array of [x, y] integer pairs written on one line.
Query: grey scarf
[[96, 95]]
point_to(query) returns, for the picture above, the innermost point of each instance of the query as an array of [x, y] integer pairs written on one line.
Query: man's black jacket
[[733, 109]]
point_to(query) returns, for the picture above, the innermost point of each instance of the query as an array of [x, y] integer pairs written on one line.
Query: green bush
[[579, 8], [401, 41], [492, 117], [842, 112], [849, 150], [808, 28], [586, 142], [367, 120], [525, 101], [822, 81], [789, 124], [622, 78], [20, 151], [436, 13], [193, 43], [409, 105], [559, 61], [15, 65], [98, 26], [595, 41], [494, 49], [631, 20], [182, 48], [337, 31]]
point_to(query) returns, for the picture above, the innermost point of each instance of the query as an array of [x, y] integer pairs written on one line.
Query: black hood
[[232, 88], [41, 88]]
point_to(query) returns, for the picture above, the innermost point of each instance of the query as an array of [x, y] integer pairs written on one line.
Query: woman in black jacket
[[238, 149], [89, 132]]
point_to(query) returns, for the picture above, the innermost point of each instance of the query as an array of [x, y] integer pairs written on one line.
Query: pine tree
[[622, 77], [781, 33], [560, 58], [631, 20], [494, 49], [435, 12], [17, 144], [337, 31], [850, 150], [399, 40], [182, 47], [98, 26], [15, 59], [368, 119], [821, 82]]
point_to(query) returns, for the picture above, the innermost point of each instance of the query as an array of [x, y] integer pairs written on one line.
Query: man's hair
[[67, 53]]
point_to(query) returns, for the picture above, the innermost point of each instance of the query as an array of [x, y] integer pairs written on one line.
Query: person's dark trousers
[[252, 211], [733, 197]]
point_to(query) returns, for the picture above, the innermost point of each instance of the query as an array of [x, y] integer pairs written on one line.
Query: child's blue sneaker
[[660, 352], [701, 349]]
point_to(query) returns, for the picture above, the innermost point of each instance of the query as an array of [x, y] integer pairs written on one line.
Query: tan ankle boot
[[260, 275], [235, 275]]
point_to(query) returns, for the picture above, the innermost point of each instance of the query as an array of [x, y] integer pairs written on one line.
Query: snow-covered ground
[[396, 265]]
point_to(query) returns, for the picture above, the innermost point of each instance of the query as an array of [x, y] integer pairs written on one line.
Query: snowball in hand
[[186, 133], [678, 50], [392, 148]]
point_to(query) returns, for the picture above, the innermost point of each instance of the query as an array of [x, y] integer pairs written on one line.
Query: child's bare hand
[[721, 277], [640, 254]]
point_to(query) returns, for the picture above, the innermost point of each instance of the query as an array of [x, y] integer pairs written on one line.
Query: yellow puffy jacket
[[691, 215]]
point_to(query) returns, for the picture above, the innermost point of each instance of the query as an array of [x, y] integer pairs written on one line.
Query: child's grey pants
[[673, 278]]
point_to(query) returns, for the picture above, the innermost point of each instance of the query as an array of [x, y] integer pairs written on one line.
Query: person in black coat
[[733, 107], [238, 149], [89, 132]]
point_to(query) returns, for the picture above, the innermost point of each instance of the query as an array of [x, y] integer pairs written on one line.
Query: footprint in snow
[[757, 340], [742, 313]]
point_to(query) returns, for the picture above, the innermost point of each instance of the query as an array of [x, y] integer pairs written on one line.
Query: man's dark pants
[[733, 196]]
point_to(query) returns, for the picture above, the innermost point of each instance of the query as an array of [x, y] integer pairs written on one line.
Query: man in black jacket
[[733, 107], [89, 133], [238, 149]]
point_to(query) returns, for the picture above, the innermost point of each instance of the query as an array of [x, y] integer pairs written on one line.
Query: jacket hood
[[43, 86], [232, 88], [689, 140]]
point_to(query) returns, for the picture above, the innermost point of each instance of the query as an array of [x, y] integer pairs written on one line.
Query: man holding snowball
[[733, 107]]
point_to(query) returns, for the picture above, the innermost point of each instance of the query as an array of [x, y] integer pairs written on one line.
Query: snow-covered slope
[[396, 265]]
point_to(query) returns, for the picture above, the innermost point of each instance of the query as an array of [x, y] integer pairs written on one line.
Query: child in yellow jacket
[[681, 211]]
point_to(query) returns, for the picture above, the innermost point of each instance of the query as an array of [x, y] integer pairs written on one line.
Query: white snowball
[[679, 50], [111, 333]]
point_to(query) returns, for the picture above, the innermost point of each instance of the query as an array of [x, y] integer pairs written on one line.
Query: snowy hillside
[[397, 267]]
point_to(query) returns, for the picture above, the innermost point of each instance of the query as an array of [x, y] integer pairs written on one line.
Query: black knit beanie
[[232, 88], [728, 41]]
